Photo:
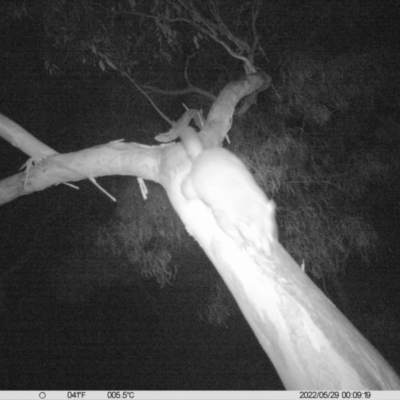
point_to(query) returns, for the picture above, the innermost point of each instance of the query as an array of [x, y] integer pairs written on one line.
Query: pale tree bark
[[310, 342]]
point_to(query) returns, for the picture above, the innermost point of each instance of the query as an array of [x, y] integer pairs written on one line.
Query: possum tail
[[191, 142]]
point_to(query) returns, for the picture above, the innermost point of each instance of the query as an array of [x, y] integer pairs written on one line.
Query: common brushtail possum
[[222, 182]]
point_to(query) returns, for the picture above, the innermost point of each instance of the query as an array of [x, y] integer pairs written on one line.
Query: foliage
[[312, 89], [219, 307], [78, 32], [316, 161], [145, 232]]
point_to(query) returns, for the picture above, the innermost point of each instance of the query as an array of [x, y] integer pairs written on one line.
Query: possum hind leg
[[220, 215], [188, 190], [229, 227]]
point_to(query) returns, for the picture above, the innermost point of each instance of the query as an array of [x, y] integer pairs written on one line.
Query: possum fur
[[223, 183]]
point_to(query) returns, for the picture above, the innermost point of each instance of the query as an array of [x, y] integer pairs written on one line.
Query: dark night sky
[[112, 337]]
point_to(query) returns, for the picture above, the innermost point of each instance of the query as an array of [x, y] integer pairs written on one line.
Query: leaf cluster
[[145, 233], [314, 153]]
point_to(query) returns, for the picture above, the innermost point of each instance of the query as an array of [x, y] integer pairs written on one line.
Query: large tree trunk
[[310, 342]]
